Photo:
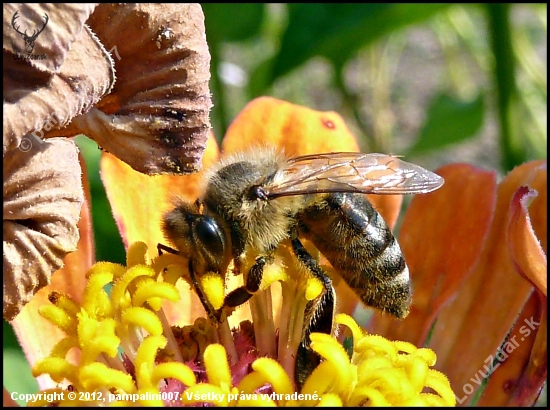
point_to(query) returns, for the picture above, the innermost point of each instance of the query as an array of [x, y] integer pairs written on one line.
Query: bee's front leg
[[242, 294], [213, 314], [210, 311]]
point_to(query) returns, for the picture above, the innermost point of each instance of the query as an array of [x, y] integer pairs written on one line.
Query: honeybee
[[255, 201]]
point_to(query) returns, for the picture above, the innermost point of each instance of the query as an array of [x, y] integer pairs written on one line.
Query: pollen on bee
[[213, 287]]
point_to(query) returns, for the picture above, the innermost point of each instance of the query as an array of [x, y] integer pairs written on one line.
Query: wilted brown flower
[[132, 77]]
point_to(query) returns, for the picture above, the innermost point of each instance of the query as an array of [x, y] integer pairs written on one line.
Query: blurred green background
[[435, 83]]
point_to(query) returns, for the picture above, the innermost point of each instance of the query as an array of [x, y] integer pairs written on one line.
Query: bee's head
[[198, 237]]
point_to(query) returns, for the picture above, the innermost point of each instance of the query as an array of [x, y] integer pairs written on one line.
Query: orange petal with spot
[[473, 326], [36, 335], [441, 237], [139, 201], [298, 130]]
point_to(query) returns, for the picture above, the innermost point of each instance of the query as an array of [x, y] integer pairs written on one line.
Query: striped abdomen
[[354, 237]]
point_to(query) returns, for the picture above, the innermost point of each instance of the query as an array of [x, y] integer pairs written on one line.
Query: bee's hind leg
[[318, 317]]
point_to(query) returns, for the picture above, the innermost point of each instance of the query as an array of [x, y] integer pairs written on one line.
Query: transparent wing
[[351, 172]]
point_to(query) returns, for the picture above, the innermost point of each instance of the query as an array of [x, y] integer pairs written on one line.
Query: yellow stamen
[[321, 381], [120, 287], [58, 317], [334, 352], [136, 255], [272, 274], [57, 368], [273, 373], [440, 383], [173, 370], [217, 367], [116, 269], [346, 320], [173, 267], [330, 400], [95, 300], [98, 376], [102, 340], [144, 318], [64, 302], [145, 359], [154, 292], [63, 346], [375, 398]]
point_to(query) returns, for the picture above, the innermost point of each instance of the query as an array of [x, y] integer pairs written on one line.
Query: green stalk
[[513, 150]]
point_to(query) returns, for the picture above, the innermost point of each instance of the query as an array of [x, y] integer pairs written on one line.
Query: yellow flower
[[249, 359], [130, 355]]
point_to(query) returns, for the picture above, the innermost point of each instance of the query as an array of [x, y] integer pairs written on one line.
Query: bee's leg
[[213, 315], [318, 317], [210, 311], [241, 295], [161, 247]]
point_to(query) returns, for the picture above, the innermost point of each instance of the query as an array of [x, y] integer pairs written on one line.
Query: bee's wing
[[351, 172]]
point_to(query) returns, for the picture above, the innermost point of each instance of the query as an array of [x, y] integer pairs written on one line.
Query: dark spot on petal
[[328, 123], [508, 386]]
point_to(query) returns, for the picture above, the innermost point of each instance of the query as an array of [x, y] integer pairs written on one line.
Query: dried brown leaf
[[65, 22], [156, 118], [37, 104], [42, 200]]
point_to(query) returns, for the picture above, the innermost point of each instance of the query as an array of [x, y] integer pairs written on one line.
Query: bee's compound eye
[[210, 236]]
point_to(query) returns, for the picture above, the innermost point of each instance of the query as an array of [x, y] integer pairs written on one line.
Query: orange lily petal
[[138, 203], [525, 248], [518, 380], [438, 225], [36, 335], [472, 327]]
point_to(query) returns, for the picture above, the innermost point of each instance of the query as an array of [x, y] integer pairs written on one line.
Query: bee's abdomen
[[354, 237]]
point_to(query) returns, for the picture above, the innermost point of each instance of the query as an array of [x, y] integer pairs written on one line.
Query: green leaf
[[232, 22], [449, 121], [511, 141], [337, 31], [259, 80]]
